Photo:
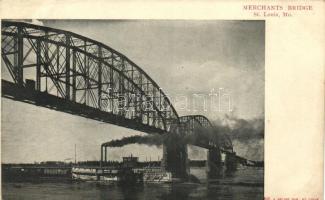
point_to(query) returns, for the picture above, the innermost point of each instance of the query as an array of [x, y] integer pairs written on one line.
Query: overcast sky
[[183, 57]]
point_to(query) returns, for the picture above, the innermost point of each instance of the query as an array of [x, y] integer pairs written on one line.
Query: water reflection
[[241, 185], [132, 192]]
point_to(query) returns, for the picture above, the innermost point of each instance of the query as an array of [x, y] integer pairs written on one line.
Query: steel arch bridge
[[68, 72], [194, 123]]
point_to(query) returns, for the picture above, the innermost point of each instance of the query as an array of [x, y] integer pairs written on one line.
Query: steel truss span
[[79, 70], [191, 123], [68, 72]]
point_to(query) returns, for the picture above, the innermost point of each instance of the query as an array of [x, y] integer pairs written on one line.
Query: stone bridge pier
[[175, 160], [231, 161], [215, 166], [214, 163]]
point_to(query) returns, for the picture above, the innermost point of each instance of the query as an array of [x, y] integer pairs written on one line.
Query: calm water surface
[[245, 184]]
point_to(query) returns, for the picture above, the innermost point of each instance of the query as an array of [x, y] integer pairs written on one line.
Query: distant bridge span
[[192, 123], [68, 72]]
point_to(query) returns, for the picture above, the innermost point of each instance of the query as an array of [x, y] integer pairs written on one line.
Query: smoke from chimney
[[247, 135], [150, 140]]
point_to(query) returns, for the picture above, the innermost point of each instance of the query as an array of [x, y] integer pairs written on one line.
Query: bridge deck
[[13, 91]]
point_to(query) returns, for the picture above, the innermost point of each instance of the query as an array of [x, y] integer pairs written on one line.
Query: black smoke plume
[[247, 137], [247, 134], [150, 140], [244, 130], [237, 129]]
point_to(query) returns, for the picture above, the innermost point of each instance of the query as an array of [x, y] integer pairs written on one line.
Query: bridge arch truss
[[192, 123], [78, 69], [78, 73]]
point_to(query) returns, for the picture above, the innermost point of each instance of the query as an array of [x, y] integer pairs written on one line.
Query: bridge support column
[[67, 68], [214, 164], [100, 79], [231, 161], [74, 75], [18, 57], [38, 65], [175, 159]]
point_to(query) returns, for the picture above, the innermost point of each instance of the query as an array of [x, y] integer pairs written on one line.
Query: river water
[[244, 184]]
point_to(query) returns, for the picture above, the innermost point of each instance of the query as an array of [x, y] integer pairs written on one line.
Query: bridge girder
[[192, 123], [67, 66], [81, 70]]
